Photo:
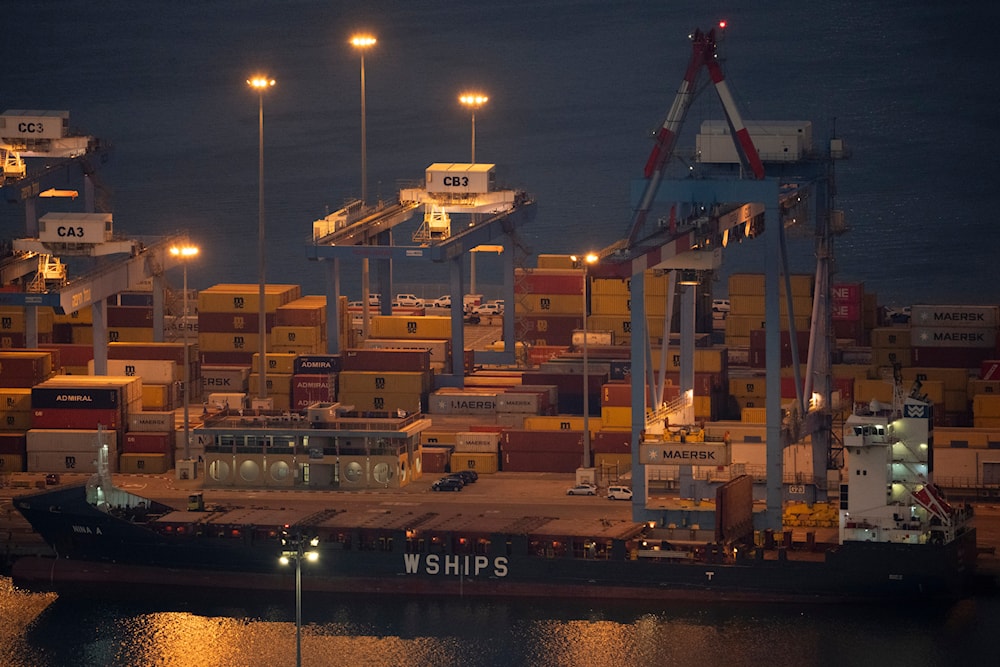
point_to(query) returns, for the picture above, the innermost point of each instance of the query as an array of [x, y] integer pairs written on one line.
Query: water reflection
[[247, 630]]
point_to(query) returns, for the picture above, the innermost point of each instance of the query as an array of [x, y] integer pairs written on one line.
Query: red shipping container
[[309, 311], [129, 316], [309, 389], [951, 357], [989, 369], [13, 443], [211, 322], [75, 418], [70, 354], [225, 358], [550, 329], [363, 359], [550, 281], [758, 347], [539, 354], [142, 442], [541, 461], [549, 441], [15, 340], [608, 441], [435, 459]]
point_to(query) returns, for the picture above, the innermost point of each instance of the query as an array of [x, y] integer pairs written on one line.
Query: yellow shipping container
[[986, 422], [15, 420], [556, 262], [954, 379], [548, 304], [748, 387], [609, 287], [296, 350], [615, 417], [130, 335], [83, 316], [753, 284], [229, 298], [753, 415], [983, 387], [15, 399], [437, 437], [391, 401], [278, 384], [702, 406], [971, 438], [411, 382], [985, 406], [407, 326], [481, 463], [742, 325], [276, 363], [753, 305], [228, 342], [13, 319], [82, 334], [11, 463], [309, 336], [613, 465], [866, 390], [890, 356], [156, 397], [144, 464], [891, 338]]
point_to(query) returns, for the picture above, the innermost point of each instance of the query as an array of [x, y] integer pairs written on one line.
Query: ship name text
[[466, 566]]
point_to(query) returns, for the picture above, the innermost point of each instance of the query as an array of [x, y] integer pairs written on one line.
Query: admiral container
[[462, 403], [316, 364], [309, 389], [386, 360]]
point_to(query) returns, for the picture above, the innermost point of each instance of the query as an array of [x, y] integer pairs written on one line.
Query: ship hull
[[93, 547]]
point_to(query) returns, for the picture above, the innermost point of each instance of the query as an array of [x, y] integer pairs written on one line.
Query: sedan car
[[448, 484], [467, 476], [582, 490]]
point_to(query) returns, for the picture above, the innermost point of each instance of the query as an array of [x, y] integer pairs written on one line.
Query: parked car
[[448, 484], [408, 301], [441, 302], [582, 490], [467, 476], [490, 308], [720, 305], [619, 493]]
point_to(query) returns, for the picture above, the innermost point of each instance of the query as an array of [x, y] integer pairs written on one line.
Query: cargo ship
[[898, 538]]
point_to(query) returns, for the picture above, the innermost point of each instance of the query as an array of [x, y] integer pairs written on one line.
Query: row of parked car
[[614, 492], [472, 305], [456, 481]]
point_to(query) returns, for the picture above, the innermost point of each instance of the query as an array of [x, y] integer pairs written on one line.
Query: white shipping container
[[151, 422], [526, 402], [24, 124], [221, 379], [69, 440], [953, 337], [152, 371], [475, 441], [976, 317], [233, 401], [460, 178], [75, 227], [462, 403]]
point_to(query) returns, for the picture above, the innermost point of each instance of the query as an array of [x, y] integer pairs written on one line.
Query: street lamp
[[261, 83], [186, 253], [362, 42], [473, 101], [295, 549], [585, 263]]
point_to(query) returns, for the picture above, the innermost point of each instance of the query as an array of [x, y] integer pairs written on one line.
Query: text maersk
[[465, 566]]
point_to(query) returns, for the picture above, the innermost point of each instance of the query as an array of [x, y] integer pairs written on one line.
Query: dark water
[[250, 630], [576, 88]]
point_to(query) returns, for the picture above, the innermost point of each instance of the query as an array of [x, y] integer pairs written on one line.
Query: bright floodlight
[[474, 100], [261, 82], [184, 252], [362, 41]]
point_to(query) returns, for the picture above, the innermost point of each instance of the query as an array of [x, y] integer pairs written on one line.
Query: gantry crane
[[733, 206]]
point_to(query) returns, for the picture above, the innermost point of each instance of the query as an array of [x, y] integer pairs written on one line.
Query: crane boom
[[703, 54]]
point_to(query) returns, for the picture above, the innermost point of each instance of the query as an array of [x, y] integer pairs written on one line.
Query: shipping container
[[238, 298], [316, 364], [399, 326], [540, 461], [952, 317], [309, 389], [234, 322], [278, 384], [528, 402], [383, 360], [142, 463], [438, 349], [13, 443], [397, 381], [549, 281], [477, 441], [150, 421], [224, 378], [303, 336], [384, 401], [306, 311], [10, 463], [481, 462], [25, 368], [435, 459], [164, 351], [70, 440], [148, 442], [612, 441], [469, 402]]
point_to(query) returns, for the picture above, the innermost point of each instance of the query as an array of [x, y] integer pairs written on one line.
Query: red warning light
[[722, 25]]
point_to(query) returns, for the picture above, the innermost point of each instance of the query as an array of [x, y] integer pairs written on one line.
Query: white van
[[619, 493]]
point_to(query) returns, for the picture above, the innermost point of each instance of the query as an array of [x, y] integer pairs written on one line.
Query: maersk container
[[953, 336], [460, 178], [954, 317], [439, 349], [151, 422], [462, 403], [89, 228], [30, 124], [534, 403], [476, 441], [224, 378]]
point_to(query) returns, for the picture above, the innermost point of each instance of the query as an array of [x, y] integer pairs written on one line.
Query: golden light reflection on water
[[18, 609]]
